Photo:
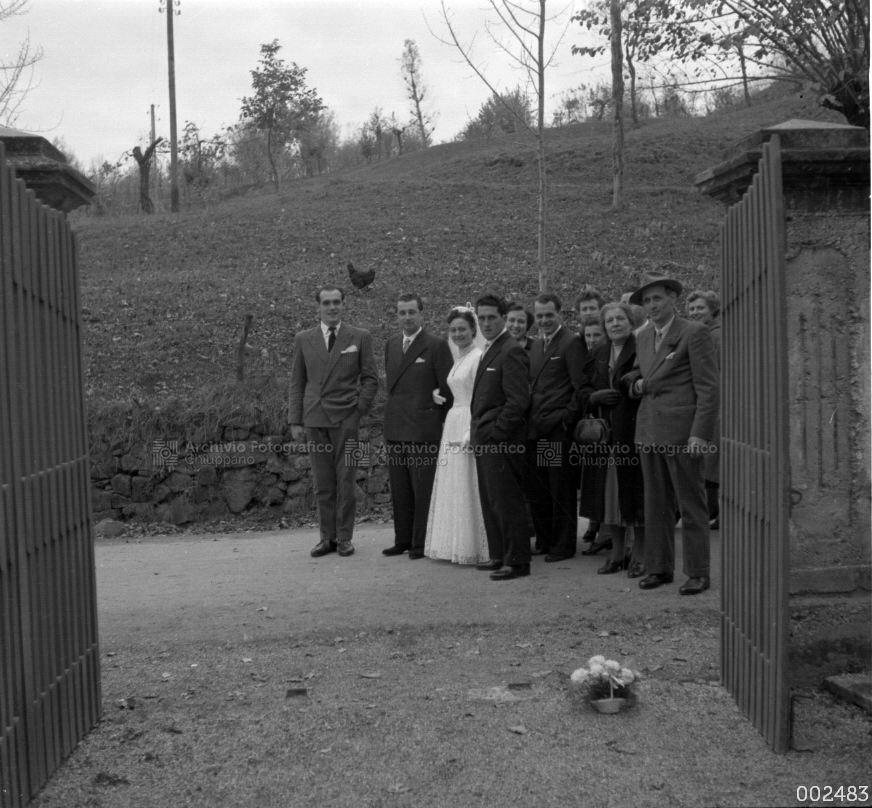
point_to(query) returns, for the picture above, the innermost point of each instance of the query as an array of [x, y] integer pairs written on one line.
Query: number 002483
[[835, 794]]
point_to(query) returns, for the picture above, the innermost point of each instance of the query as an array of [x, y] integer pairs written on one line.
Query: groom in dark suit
[[334, 380], [416, 364], [498, 430]]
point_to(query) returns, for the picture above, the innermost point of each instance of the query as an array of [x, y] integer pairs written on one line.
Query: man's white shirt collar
[[556, 332], [488, 344], [409, 339], [325, 330], [663, 331]]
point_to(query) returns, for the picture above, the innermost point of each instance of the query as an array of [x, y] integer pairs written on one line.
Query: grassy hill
[[165, 297]]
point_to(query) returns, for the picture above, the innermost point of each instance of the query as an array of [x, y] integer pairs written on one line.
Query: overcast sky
[[106, 62]]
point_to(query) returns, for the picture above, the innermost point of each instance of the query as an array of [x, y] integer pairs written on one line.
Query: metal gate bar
[[755, 459], [49, 660]]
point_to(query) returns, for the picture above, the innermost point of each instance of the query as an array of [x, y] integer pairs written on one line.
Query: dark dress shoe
[[507, 573], [636, 570], [655, 579], [611, 567], [552, 557], [346, 548], [392, 551], [489, 566], [589, 536], [695, 586], [538, 551], [596, 547], [414, 554], [324, 548]]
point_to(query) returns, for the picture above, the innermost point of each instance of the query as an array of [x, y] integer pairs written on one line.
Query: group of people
[[490, 436]]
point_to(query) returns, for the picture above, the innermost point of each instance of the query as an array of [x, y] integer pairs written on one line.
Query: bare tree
[[16, 73], [411, 67], [618, 104], [525, 25], [144, 163]]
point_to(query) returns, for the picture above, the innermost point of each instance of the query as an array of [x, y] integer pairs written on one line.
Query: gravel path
[[407, 667]]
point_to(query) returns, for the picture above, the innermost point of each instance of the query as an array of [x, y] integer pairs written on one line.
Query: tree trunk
[[618, 100], [632, 68], [744, 75], [543, 270], [272, 163], [144, 163], [418, 114]]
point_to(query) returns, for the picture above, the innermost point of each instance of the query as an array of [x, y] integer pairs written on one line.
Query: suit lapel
[[488, 357], [667, 345], [319, 344], [343, 340], [545, 357], [407, 358]]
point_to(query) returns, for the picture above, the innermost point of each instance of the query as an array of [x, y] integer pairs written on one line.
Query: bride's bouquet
[[604, 679]]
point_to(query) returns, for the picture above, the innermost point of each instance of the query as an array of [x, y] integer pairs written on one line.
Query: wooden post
[[174, 143]]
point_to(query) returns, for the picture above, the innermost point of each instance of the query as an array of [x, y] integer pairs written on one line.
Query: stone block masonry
[[237, 469]]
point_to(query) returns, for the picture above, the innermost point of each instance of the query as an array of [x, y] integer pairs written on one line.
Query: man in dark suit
[[416, 364], [500, 399], [676, 375], [334, 380], [556, 382]]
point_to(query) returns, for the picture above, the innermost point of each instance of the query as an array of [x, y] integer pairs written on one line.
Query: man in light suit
[[416, 365], [677, 378], [498, 428], [556, 382], [333, 383]]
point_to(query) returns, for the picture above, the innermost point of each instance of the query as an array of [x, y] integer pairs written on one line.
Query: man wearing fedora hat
[[676, 376]]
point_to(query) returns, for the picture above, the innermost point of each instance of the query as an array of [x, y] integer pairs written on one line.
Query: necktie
[[331, 338], [658, 338], [406, 343]]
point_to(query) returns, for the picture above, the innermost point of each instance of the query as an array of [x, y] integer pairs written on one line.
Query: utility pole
[[174, 144]]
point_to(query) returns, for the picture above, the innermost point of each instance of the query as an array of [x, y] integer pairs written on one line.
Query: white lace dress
[[455, 528]]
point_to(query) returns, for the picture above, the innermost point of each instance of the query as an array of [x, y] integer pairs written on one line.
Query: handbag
[[592, 431]]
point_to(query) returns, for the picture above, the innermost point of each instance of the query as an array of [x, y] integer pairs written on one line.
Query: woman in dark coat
[[611, 490], [706, 307]]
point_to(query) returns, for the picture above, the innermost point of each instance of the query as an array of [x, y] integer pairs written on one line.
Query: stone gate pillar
[[825, 172]]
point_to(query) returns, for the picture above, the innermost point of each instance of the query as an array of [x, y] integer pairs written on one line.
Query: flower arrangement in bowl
[[605, 684]]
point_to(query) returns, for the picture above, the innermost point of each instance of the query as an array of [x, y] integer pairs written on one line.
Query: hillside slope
[[165, 296]]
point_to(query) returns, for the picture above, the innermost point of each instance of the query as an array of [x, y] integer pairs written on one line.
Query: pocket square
[[554, 358], [350, 349], [419, 360], [671, 356], [490, 369]]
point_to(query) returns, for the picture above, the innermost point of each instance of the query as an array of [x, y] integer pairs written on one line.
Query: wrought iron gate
[[49, 661], [755, 479]]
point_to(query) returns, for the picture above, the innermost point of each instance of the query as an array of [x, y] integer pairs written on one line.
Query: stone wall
[[828, 354], [203, 476]]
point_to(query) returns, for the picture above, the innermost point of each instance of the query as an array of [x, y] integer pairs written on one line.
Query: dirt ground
[[239, 671]]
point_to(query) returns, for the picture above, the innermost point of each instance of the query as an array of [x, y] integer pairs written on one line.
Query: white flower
[[612, 666], [597, 660], [626, 676], [579, 676]]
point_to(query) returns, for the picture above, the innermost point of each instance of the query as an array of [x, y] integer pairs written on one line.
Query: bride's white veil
[[478, 340]]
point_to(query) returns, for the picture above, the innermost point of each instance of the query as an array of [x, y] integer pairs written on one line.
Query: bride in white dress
[[455, 527]]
